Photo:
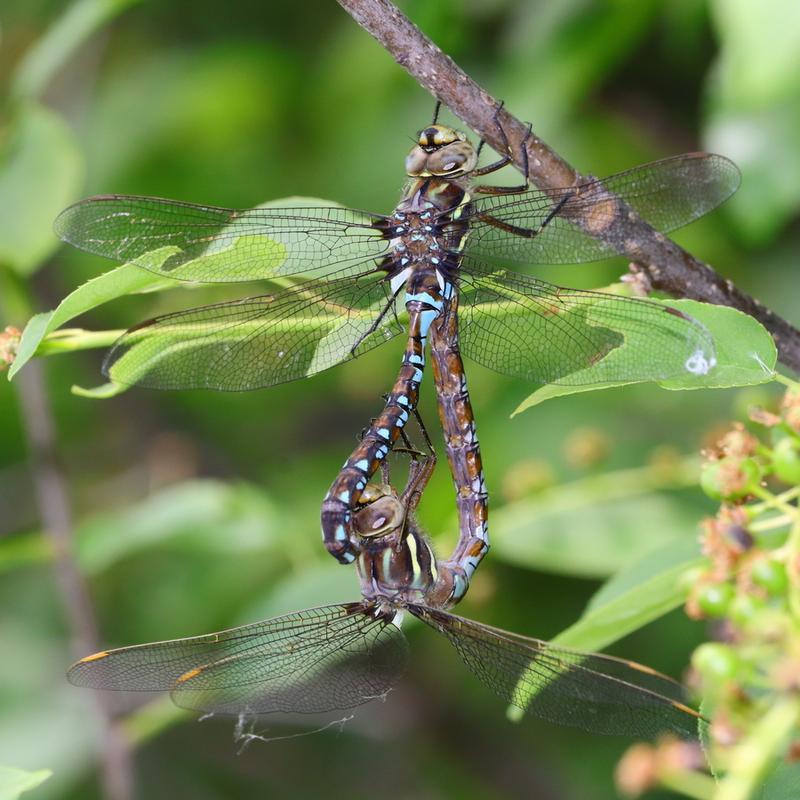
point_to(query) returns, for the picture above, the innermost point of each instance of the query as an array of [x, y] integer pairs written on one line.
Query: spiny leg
[[390, 304], [528, 233], [502, 162], [420, 469]]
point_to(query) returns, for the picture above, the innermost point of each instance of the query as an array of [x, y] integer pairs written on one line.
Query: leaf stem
[[783, 497], [752, 758], [689, 783], [68, 340], [786, 381], [775, 501]]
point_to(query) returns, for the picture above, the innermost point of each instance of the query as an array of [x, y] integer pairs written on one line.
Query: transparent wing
[[597, 693], [667, 194], [258, 341], [203, 243], [531, 329], [317, 660]]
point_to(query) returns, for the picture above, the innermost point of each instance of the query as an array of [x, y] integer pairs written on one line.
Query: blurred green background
[[195, 511]]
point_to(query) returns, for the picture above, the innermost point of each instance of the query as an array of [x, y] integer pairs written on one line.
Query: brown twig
[[669, 268], [56, 517]]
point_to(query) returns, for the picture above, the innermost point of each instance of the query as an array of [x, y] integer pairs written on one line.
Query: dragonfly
[[340, 656], [358, 279]]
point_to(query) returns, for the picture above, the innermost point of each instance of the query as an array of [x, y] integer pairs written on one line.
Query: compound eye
[[455, 159], [415, 161], [445, 162], [382, 516]]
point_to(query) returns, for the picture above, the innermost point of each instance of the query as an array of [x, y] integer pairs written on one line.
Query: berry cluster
[[749, 591]]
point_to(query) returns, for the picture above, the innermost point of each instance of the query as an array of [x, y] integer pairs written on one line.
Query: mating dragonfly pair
[[347, 271], [340, 656]]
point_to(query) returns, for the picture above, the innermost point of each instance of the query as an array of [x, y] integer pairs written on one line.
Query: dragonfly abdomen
[[462, 448], [423, 305]]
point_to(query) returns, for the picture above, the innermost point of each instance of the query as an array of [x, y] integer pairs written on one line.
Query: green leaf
[[746, 355], [190, 514], [760, 58], [34, 332], [315, 585], [635, 597], [681, 553], [592, 541], [754, 101], [49, 54], [781, 783], [40, 171], [13, 782], [109, 286], [550, 531], [130, 279], [102, 392]]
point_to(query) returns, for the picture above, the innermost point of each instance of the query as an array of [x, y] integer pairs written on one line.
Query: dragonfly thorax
[[441, 152]]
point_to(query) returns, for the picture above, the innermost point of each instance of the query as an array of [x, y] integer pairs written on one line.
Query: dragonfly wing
[[258, 341], [531, 329], [594, 692], [321, 659], [207, 244], [555, 226]]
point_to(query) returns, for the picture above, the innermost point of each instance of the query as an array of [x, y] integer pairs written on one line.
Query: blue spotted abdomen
[[424, 303]]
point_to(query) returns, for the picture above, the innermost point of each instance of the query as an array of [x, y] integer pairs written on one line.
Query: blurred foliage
[[14, 782], [748, 583], [196, 511]]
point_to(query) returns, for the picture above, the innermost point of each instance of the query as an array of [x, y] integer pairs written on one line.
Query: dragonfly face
[[441, 152], [396, 564]]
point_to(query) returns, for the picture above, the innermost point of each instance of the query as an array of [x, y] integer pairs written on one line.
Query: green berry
[[709, 480], [745, 608], [730, 478], [786, 460], [770, 574], [715, 661], [714, 598], [691, 577]]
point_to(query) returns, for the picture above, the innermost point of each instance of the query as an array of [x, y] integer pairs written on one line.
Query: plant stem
[[689, 783], [774, 501], [751, 759], [791, 384], [68, 340], [53, 505], [783, 497], [667, 267]]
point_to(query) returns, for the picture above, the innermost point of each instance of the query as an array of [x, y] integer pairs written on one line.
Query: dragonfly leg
[[528, 233], [502, 162], [420, 470], [390, 303]]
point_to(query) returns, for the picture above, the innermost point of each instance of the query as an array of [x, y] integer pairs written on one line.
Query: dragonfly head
[[441, 152], [382, 512]]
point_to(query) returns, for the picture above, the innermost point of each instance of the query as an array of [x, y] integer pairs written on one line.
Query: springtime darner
[[340, 656], [349, 269]]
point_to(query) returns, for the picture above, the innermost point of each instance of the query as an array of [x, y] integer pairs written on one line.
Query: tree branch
[[56, 516], [668, 267]]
